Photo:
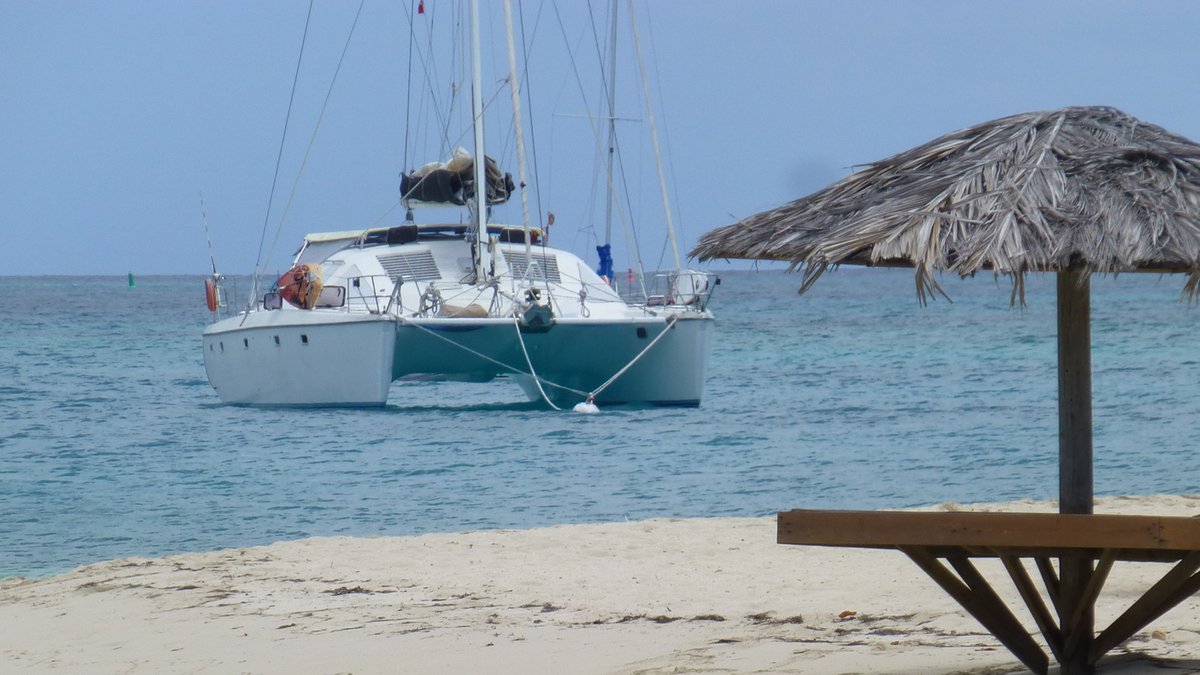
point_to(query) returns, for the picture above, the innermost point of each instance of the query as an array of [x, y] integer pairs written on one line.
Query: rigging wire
[[524, 80], [625, 194], [662, 182], [519, 141], [666, 130], [458, 66], [609, 96], [441, 117], [279, 156], [529, 104], [380, 219], [444, 116], [630, 231], [408, 85], [598, 159], [207, 234], [599, 149], [313, 139]]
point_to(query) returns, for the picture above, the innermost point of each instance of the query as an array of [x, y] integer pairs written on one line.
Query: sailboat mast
[[612, 122], [514, 88], [481, 236], [662, 179]]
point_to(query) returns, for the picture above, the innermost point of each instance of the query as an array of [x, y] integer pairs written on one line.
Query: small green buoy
[[131, 279]]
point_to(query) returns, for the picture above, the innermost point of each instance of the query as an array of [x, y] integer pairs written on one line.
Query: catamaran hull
[[671, 372], [316, 359], [301, 359], [571, 358]]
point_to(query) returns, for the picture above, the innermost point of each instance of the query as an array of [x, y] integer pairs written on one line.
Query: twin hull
[[343, 360], [314, 358]]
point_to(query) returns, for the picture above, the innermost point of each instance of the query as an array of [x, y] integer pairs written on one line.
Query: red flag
[[421, 7]]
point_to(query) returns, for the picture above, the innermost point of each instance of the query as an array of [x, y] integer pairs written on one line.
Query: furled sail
[[453, 182]]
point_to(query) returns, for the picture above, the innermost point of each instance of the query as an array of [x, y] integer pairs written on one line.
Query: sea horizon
[[852, 395]]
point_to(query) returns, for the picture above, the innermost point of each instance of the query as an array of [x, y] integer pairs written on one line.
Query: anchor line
[[538, 379], [670, 324], [485, 357]]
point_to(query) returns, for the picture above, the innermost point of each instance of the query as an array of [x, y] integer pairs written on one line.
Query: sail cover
[[453, 182]]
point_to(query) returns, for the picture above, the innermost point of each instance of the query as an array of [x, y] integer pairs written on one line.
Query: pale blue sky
[[116, 115]]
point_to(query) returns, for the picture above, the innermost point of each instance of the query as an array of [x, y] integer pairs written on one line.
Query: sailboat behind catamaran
[[458, 301]]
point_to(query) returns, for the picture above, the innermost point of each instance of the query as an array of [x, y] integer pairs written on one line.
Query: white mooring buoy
[[587, 407]]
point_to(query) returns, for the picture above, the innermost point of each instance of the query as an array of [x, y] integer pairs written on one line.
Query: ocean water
[[113, 444]]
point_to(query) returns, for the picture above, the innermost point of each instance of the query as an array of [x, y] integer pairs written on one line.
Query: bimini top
[[403, 234], [319, 245]]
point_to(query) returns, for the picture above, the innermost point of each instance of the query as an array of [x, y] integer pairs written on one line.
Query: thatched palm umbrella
[[1071, 191]]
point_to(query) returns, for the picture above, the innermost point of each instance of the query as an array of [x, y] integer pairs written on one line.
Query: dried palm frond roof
[[1087, 188]]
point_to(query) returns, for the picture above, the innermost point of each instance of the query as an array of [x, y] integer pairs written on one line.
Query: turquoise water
[[112, 443]]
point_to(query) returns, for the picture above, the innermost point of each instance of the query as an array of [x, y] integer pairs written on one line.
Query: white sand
[[661, 596]]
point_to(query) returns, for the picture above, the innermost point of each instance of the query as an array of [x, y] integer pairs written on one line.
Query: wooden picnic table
[[939, 542]]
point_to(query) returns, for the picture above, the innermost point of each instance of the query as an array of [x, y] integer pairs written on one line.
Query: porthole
[[276, 339], [641, 332], [304, 338], [246, 343]]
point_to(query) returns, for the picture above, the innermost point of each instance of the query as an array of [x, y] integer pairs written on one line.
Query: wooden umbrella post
[[1075, 457], [1074, 392]]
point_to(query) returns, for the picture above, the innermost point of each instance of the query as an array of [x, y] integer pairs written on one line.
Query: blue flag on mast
[[606, 263]]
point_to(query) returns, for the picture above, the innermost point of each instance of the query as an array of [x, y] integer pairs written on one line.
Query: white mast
[[612, 122], [481, 236], [662, 180], [514, 87]]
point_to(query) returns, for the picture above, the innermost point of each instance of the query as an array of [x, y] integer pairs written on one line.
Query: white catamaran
[[458, 301]]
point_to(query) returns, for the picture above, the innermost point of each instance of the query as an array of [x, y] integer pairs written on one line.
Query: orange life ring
[[210, 294]]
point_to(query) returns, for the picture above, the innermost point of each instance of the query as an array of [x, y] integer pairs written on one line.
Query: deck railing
[[688, 289]]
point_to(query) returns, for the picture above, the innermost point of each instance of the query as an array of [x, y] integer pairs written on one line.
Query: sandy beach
[[659, 596]]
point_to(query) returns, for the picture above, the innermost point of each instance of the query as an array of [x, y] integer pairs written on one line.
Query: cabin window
[[245, 343], [641, 332], [333, 296], [304, 339], [277, 339]]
